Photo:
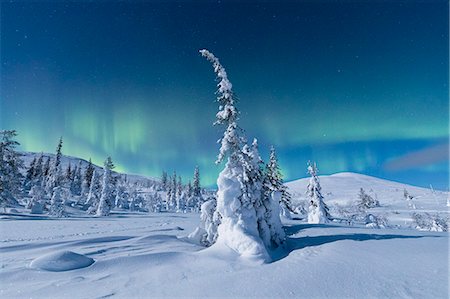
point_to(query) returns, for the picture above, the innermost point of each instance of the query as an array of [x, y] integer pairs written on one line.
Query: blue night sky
[[354, 85]]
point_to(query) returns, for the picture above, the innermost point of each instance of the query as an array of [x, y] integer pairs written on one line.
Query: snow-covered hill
[[342, 190]]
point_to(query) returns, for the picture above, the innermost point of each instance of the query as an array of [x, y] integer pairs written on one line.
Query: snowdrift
[[61, 261]]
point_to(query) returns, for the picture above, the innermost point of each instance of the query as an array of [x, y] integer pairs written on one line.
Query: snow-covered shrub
[[375, 221], [366, 201], [428, 222], [409, 199], [206, 233], [300, 208]]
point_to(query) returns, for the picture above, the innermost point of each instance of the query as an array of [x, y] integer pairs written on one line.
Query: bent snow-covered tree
[[239, 188], [318, 210]]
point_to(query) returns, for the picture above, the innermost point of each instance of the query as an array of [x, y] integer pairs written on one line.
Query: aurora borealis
[[355, 86]]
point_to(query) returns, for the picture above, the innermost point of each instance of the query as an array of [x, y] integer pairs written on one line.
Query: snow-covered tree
[[137, 201], [55, 176], [38, 168], [237, 191], [181, 197], [366, 201], [37, 200], [93, 197], [107, 196], [56, 204], [196, 189], [269, 224], [206, 234], [164, 181], [30, 174], [122, 196], [189, 189], [274, 182], [154, 202], [89, 172], [318, 210], [68, 175], [46, 168], [194, 192], [172, 193], [77, 181], [10, 166]]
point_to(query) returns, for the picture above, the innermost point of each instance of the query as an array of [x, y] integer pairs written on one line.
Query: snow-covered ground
[[142, 255], [147, 255]]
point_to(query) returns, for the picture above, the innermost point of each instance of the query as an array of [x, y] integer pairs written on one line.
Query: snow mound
[[61, 261]]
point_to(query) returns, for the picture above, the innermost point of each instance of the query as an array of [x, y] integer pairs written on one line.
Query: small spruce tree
[[107, 196], [56, 204], [274, 182], [10, 169], [318, 210]]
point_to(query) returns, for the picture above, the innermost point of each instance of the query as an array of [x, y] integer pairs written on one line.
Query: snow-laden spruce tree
[[29, 176], [122, 196], [56, 204], [87, 179], [46, 170], [274, 182], [55, 175], [107, 196], [93, 197], [77, 182], [164, 181], [36, 203], [196, 189], [172, 193], [267, 213], [68, 176], [239, 189], [194, 192], [38, 169], [10, 166], [181, 197], [318, 210]]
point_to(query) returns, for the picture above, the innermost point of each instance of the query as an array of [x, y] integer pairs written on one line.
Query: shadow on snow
[[293, 244]]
